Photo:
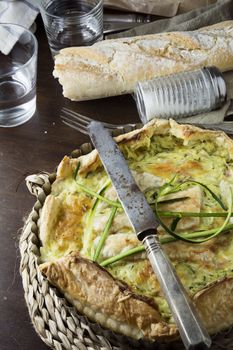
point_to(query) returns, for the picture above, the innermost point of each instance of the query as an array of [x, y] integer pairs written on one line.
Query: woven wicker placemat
[[58, 323]]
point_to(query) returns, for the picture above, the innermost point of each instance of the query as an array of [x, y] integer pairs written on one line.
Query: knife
[[118, 22], [118, 26], [145, 224]]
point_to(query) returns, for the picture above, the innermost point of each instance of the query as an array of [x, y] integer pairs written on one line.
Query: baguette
[[113, 67]]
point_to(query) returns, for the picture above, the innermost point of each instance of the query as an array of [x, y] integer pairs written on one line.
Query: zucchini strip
[[97, 195], [104, 234], [88, 233], [163, 240], [76, 170]]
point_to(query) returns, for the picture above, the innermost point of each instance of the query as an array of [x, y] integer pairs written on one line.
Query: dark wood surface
[[37, 145]]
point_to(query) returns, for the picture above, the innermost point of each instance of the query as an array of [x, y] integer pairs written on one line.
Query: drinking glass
[[180, 95], [18, 67], [72, 22]]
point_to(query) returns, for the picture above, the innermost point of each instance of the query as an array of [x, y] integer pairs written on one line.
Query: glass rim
[[140, 103], [42, 6], [35, 51]]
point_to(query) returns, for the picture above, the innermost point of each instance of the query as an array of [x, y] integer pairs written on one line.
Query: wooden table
[[38, 145]]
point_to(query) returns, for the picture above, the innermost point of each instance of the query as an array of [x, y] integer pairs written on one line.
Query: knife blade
[[144, 222], [117, 27], [116, 22]]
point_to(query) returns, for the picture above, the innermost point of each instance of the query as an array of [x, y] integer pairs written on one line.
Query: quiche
[[90, 252]]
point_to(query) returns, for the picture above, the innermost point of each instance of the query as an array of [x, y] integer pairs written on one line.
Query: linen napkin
[[222, 10], [165, 8], [18, 12]]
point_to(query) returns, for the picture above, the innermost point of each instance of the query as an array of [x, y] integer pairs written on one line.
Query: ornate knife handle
[[192, 331]]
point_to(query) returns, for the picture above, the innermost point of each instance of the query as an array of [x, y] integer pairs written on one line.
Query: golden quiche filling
[[91, 253]]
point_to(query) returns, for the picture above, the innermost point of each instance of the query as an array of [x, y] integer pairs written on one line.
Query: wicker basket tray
[[58, 323]]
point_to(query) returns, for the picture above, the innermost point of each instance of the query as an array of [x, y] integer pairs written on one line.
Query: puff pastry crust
[[131, 302]]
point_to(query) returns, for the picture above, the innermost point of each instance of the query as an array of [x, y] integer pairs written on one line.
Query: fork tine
[[80, 122], [73, 121], [75, 125], [76, 115], [86, 120]]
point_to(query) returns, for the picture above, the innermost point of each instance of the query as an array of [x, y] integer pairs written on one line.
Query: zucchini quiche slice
[[90, 252]]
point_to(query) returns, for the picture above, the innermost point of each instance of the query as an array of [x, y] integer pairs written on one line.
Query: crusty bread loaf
[[113, 67]]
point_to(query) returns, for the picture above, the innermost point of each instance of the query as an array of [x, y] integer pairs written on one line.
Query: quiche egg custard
[[91, 253]]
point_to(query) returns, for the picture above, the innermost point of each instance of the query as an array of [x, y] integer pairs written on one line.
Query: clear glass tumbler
[[180, 95], [18, 68], [72, 22]]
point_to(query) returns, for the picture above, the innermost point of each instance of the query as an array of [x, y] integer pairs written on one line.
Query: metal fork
[[80, 122]]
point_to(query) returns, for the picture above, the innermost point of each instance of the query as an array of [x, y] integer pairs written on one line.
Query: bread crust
[[113, 67]]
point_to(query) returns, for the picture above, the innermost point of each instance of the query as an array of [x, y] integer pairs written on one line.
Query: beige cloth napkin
[[165, 8], [218, 12], [22, 12]]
